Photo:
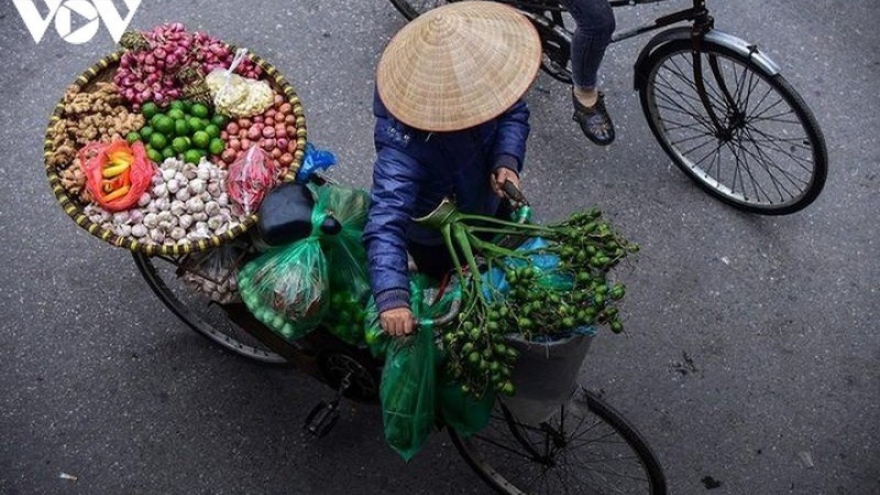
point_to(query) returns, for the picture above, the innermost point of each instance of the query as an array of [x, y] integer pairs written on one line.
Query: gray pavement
[[751, 361]]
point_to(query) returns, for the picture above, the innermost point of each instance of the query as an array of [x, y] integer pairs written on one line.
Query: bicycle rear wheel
[[767, 154], [587, 447], [200, 313]]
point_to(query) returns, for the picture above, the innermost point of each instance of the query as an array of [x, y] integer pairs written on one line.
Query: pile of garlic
[[186, 203]]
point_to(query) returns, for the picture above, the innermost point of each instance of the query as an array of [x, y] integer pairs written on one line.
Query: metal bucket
[[546, 375]]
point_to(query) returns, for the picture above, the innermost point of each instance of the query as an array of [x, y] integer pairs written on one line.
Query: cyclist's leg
[[595, 24]]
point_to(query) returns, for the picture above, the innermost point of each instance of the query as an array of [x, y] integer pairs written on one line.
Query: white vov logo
[[91, 13]]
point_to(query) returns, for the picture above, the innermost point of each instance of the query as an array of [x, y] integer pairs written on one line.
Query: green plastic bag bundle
[[287, 288], [408, 392], [346, 261], [422, 304]]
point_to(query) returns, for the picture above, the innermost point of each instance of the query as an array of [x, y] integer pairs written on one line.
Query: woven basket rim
[[73, 208]]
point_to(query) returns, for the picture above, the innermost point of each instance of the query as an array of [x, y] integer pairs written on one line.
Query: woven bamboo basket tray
[[103, 71]]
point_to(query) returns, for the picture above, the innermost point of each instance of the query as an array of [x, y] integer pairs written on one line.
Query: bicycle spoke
[[805, 163]]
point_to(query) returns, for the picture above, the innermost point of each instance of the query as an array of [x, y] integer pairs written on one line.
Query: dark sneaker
[[594, 121]]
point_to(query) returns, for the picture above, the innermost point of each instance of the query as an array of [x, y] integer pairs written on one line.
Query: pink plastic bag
[[250, 178]]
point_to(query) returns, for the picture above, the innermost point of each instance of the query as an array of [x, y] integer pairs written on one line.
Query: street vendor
[[450, 122]]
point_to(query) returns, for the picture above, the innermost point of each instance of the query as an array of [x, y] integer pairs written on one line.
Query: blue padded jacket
[[415, 170]]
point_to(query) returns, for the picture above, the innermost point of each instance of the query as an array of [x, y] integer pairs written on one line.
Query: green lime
[[165, 125], [219, 120], [192, 156], [216, 146], [213, 130], [158, 141], [149, 110], [168, 153], [176, 105], [132, 137], [199, 110], [155, 156], [145, 132], [181, 128], [176, 113], [196, 124], [155, 118], [187, 105], [201, 140], [180, 144]]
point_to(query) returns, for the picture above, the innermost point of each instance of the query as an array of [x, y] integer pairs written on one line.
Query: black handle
[[513, 193]]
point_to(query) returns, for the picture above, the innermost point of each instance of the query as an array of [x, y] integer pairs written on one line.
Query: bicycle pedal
[[322, 418]]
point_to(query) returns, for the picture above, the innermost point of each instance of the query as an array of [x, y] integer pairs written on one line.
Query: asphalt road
[[751, 361]]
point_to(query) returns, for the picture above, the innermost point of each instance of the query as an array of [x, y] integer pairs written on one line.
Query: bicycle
[[587, 443], [720, 108]]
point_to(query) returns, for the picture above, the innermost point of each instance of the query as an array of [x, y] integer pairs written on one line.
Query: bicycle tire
[[763, 158], [200, 314], [489, 453]]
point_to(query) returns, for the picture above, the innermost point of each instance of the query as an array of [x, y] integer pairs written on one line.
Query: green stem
[[461, 236], [495, 249], [503, 223], [446, 231]]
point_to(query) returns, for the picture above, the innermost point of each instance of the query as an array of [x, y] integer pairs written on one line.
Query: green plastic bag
[[287, 288], [408, 392], [422, 304], [346, 261], [460, 412]]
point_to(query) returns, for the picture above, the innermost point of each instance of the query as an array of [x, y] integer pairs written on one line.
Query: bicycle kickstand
[[324, 416]]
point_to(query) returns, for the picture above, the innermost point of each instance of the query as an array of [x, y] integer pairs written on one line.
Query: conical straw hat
[[458, 65]]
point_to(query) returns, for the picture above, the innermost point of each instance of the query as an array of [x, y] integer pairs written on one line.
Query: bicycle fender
[[720, 38]]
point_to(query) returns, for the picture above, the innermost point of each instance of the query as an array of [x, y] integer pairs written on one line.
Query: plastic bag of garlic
[[214, 272]]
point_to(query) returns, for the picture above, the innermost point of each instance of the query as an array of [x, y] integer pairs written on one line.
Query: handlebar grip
[[454, 309], [513, 193]]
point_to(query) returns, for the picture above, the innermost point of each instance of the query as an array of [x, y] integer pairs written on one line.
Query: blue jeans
[[595, 25]]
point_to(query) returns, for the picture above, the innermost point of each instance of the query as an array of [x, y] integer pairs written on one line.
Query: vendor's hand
[[397, 322], [501, 175]]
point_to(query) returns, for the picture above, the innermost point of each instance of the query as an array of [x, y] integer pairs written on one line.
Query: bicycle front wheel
[[201, 314], [763, 152], [586, 448]]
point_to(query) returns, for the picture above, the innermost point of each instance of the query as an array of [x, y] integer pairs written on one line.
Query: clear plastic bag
[[214, 273], [250, 178], [237, 96]]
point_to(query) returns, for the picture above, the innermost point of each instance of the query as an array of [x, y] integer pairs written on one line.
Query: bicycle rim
[[587, 448], [767, 155], [199, 312]]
